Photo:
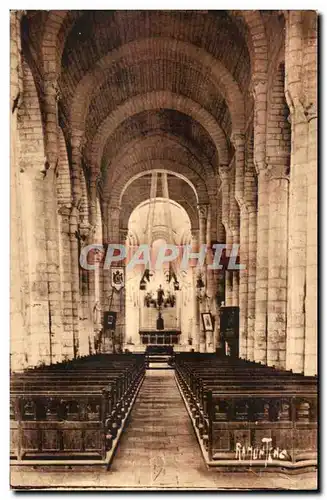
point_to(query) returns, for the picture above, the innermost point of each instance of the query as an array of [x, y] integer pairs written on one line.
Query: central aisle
[[159, 447]]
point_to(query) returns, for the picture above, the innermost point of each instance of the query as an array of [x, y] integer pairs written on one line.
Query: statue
[[160, 296], [97, 313]]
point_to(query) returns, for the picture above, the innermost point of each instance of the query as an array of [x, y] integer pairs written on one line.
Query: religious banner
[[117, 278]]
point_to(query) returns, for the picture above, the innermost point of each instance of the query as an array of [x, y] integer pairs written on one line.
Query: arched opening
[[159, 293]]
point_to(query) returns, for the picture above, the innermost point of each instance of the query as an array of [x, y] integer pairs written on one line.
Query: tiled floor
[[158, 450]]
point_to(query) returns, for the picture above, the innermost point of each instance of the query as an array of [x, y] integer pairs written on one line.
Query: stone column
[[260, 335], [66, 280], [311, 302], [115, 298], [239, 145], [211, 288], [234, 224], [123, 334], [18, 328], [51, 215], [277, 260], [297, 195], [250, 196], [219, 274], [224, 174], [76, 172], [196, 305], [259, 86], [203, 216]]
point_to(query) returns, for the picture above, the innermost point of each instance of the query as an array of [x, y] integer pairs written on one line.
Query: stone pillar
[[297, 195], [115, 298], [234, 224], [259, 86], [278, 163], [76, 173], [239, 145], [311, 302], [196, 305], [277, 260], [260, 331], [219, 274], [250, 196], [18, 330], [224, 174], [66, 283], [51, 215], [203, 216], [211, 292], [123, 334]]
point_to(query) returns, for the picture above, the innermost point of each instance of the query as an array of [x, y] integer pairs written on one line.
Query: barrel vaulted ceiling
[[148, 89]]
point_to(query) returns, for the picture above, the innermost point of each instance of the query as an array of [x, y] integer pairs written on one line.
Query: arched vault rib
[[146, 167], [154, 48], [161, 144], [56, 31], [155, 100], [143, 174], [137, 191], [164, 121]]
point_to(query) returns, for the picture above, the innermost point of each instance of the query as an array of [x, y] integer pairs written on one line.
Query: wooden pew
[[59, 415], [246, 414]]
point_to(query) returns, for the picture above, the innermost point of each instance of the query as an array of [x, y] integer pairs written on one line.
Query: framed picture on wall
[[207, 322]]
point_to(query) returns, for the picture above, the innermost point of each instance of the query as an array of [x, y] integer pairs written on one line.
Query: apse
[[159, 298]]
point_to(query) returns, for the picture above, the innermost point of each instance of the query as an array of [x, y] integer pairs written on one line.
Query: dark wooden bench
[[73, 412], [247, 414]]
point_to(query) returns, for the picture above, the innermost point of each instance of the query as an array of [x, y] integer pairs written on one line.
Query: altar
[[166, 336]]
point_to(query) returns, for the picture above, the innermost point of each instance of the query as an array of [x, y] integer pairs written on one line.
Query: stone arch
[[50, 49], [150, 48], [137, 176], [151, 100], [258, 45], [54, 38], [173, 167], [153, 147], [278, 148]]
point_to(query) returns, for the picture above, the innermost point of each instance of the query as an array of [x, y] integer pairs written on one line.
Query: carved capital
[[258, 86], [237, 139], [114, 212], [78, 140], [278, 172], [203, 210], [224, 172], [311, 111], [51, 87]]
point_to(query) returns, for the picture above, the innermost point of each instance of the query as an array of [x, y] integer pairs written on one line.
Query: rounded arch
[[257, 42], [155, 165], [161, 231], [157, 146], [277, 117], [149, 101], [51, 48], [141, 50], [32, 138], [141, 174], [57, 28]]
